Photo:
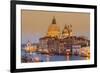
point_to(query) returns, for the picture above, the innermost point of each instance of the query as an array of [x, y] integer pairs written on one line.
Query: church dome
[[54, 29], [65, 31]]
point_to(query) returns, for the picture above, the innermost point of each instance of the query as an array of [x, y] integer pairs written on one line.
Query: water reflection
[[47, 58], [37, 57], [67, 58]]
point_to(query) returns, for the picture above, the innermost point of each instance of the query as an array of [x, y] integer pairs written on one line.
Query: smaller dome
[[65, 30]]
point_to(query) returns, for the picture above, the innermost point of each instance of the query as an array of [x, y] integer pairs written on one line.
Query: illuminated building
[[56, 41], [85, 51], [30, 47], [76, 49]]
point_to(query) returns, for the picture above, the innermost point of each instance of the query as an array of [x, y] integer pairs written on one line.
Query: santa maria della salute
[[58, 42], [54, 30]]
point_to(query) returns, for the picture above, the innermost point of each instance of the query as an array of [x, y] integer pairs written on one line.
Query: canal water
[[44, 58]]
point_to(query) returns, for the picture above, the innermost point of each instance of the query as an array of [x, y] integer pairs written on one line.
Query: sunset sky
[[35, 24]]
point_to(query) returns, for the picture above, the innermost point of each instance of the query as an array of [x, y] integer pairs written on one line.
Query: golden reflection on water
[[67, 57]]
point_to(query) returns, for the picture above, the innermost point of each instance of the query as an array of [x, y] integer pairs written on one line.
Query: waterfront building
[[60, 42], [30, 47], [85, 51], [76, 49]]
